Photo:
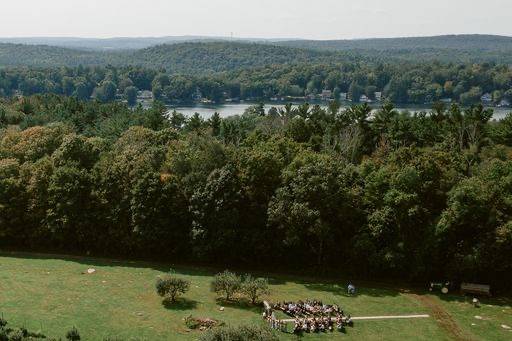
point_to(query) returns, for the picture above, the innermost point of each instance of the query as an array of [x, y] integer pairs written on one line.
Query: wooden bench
[[476, 289]]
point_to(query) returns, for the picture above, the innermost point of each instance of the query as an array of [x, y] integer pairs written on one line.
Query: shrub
[[241, 333], [73, 335], [202, 323], [171, 287], [227, 284], [253, 288]]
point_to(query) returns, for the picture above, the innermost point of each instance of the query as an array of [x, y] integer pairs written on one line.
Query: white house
[[486, 98], [144, 95], [326, 94]]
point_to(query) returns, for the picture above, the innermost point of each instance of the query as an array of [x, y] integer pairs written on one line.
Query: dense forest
[[401, 83], [394, 194], [199, 57]]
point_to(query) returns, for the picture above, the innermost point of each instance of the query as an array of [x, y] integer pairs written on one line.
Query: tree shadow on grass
[[496, 301], [341, 290], [180, 304], [241, 304]]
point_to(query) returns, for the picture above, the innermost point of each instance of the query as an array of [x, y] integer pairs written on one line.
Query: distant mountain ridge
[[460, 42], [125, 43], [212, 56], [457, 42]]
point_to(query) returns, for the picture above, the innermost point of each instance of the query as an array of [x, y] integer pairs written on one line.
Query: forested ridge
[[474, 48], [387, 195], [206, 57], [198, 56], [418, 83]]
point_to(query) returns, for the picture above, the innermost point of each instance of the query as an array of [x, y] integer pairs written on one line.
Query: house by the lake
[[486, 98], [364, 99], [326, 95]]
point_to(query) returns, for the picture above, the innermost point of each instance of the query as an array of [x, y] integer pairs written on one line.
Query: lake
[[226, 110]]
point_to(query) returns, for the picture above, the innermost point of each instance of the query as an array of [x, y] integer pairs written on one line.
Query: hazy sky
[[315, 19]]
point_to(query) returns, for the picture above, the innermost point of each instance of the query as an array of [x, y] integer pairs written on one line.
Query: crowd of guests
[[320, 324], [308, 308], [310, 316]]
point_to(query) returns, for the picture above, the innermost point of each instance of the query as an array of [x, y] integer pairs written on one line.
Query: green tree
[[171, 287], [130, 94], [253, 288], [215, 123], [227, 284]]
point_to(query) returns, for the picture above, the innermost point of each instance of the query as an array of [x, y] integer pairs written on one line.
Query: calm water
[[226, 110]]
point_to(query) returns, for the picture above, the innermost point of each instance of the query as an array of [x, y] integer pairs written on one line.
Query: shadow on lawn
[[108, 262], [241, 304], [501, 302], [180, 304], [341, 290], [338, 287]]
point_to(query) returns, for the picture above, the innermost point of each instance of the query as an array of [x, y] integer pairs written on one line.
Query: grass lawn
[[492, 314], [52, 295]]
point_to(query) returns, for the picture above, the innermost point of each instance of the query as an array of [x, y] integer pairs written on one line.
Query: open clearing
[[51, 294]]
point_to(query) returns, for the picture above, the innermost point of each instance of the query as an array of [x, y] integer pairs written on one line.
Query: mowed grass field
[[50, 294]]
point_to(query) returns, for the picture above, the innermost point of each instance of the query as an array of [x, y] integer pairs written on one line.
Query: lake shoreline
[[232, 109]]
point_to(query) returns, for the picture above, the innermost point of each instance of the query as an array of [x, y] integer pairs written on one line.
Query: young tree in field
[[171, 287], [227, 284], [73, 335], [253, 288]]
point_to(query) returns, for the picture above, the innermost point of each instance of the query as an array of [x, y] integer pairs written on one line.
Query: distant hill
[[224, 56], [458, 48], [47, 56], [188, 58], [123, 43], [219, 56], [457, 42]]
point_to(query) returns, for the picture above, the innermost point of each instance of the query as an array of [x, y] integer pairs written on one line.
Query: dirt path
[[442, 317]]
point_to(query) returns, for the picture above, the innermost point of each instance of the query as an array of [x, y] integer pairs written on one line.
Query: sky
[[311, 19]]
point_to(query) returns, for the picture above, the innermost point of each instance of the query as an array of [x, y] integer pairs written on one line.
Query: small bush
[[17, 334], [202, 323], [227, 284], [73, 335], [171, 287], [242, 333], [253, 288]]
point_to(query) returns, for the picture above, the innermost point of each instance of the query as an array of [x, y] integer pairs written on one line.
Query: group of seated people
[[311, 316], [320, 324], [308, 308]]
